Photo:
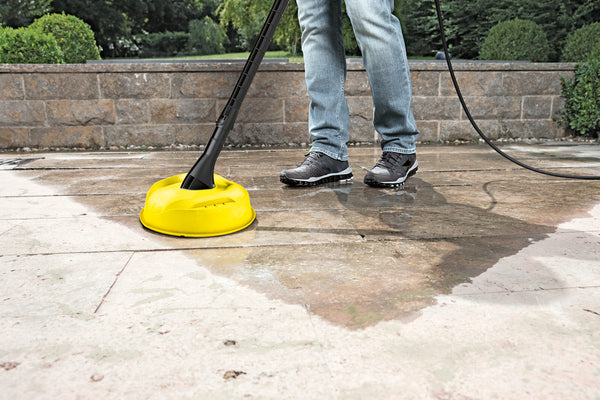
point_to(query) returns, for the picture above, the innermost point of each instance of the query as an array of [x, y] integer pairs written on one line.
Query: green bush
[[28, 46], [516, 39], [350, 43], [162, 44], [580, 43], [595, 53], [581, 114], [75, 38], [206, 37]]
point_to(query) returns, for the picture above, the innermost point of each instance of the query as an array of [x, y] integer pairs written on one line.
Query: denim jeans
[[380, 39]]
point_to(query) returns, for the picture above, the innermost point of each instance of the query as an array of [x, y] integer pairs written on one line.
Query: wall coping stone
[[228, 66]]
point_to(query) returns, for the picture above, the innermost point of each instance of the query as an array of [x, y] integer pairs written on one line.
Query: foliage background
[[581, 114], [117, 24]]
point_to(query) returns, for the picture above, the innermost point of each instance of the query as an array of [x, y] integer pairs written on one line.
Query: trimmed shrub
[[75, 38], [581, 114], [28, 46], [580, 43], [516, 39], [162, 44], [206, 37]]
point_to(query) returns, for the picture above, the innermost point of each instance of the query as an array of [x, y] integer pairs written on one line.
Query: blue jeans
[[380, 39]]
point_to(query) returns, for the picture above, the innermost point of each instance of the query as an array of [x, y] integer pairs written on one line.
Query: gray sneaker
[[392, 169], [317, 168]]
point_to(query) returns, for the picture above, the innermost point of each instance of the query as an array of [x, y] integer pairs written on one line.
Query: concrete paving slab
[[475, 280], [64, 235], [12, 187], [40, 207], [57, 284]]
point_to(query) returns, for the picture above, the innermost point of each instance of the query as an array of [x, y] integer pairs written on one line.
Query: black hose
[[468, 113]]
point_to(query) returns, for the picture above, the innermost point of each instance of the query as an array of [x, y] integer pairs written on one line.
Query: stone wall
[[157, 104]]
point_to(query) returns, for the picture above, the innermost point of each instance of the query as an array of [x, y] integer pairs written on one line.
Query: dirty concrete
[[474, 269]]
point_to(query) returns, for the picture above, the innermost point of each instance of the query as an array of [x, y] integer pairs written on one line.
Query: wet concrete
[[352, 254], [348, 254]]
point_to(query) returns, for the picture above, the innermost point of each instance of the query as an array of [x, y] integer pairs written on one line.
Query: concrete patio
[[476, 280]]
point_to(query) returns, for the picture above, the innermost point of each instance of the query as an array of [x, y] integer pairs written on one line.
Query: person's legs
[[379, 35], [325, 70]]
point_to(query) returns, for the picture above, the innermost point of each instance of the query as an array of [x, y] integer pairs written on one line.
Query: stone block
[[425, 83], [193, 133], [67, 136], [139, 135], [56, 86], [11, 138], [473, 83], [184, 111], [558, 104], [296, 109], [357, 84], [537, 83], [259, 133], [22, 113], [533, 128], [201, 85], [80, 113], [428, 131], [436, 108], [494, 129], [506, 129], [361, 108], [456, 130], [537, 107], [361, 130], [361, 127], [135, 85], [132, 111], [259, 110], [499, 107], [296, 132], [278, 84], [11, 87]]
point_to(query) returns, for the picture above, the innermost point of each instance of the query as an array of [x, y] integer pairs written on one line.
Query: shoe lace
[[388, 160], [311, 158]]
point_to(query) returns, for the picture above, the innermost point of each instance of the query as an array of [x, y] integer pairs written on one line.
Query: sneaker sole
[[345, 175], [413, 170]]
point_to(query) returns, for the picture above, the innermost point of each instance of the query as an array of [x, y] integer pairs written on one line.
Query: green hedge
[[516, 39], [28, 46], [75, 38], [51, 39], [581, 114], [595, 53], [580, 43]]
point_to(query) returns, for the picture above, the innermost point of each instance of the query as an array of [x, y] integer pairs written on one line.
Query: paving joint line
[[114, 283], [361, 238], [540, 289]]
